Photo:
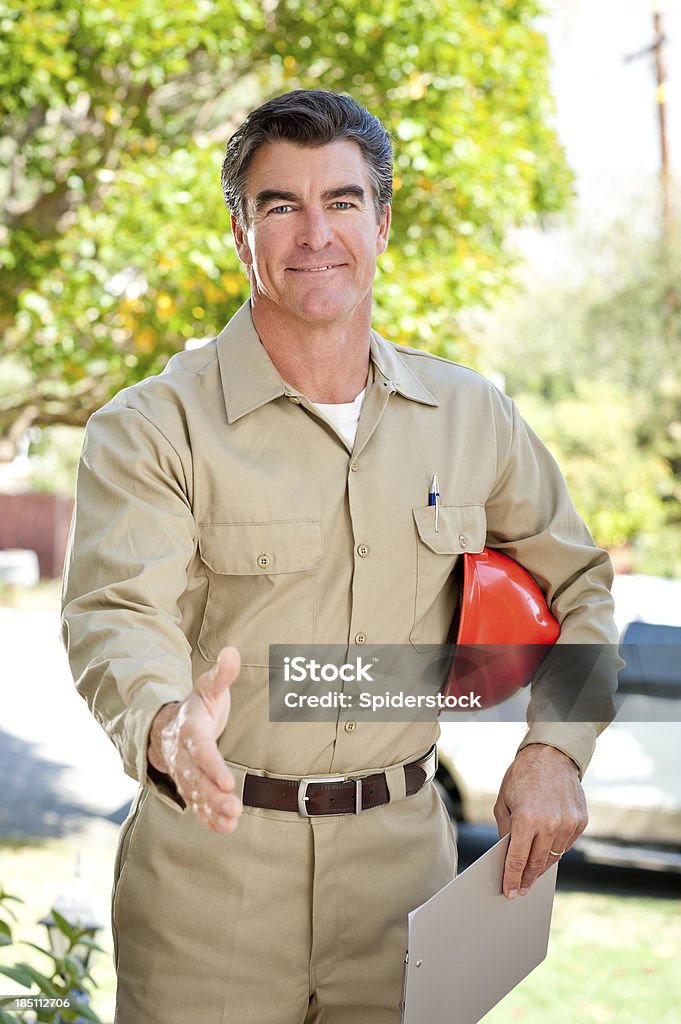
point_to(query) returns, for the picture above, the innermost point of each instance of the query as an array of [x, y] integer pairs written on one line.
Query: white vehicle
[[633, 784]]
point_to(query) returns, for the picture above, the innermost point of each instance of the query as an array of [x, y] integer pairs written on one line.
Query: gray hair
[[308, 117]]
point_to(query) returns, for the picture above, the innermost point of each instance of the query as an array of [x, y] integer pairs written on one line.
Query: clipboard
[[468, 946]]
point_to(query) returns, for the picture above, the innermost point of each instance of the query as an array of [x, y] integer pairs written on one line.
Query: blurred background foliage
[[115, 240], [116, 250], [593, 358]]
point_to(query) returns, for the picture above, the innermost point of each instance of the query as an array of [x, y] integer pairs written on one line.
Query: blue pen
[[434, 499]]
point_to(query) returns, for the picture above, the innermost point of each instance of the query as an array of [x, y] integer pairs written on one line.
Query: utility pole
[[657, 49], [665, 178]]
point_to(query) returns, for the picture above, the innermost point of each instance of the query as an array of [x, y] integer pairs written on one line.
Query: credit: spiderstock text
[[382, 701]]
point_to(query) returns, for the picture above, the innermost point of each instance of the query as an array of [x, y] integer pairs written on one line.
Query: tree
[[115, 241], [594, 361]]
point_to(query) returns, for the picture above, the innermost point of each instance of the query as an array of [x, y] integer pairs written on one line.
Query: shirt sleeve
[[132, 539], [531, 517]]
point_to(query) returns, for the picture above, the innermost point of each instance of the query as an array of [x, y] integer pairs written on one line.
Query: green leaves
[[78, 1010], [68, 977], [5, 927], [116, 242], [5, 934], [19, 974], [593, 359], [63, 925], [46, 985]]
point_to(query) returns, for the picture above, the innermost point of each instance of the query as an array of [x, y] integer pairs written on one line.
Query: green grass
[[44, 596], [612, 959]]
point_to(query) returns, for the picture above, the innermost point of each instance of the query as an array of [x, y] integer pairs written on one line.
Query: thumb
[[214, 684]]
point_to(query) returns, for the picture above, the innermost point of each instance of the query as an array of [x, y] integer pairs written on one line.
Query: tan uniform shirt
[[217, 506]]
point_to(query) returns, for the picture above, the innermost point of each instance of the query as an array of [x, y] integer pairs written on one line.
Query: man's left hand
[[541, 803]]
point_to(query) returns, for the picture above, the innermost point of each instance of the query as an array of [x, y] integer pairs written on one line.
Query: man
[[272, 487]]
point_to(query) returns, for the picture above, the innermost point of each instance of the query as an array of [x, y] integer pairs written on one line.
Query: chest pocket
[[261, 586], [462, 528]]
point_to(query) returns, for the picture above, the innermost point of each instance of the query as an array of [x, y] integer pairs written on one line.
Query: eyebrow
[[269, 195]]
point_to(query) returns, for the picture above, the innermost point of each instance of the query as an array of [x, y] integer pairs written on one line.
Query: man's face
[[312, 237]]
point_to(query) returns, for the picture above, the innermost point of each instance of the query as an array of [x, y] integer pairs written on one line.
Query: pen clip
[[434, 499]]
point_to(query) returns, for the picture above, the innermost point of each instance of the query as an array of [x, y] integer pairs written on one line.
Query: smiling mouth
[[315, 270]]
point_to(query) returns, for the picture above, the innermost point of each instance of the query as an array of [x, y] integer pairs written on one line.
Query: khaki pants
[[289, 920]]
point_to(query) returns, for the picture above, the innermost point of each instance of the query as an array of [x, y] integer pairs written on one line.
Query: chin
[[321, 311]]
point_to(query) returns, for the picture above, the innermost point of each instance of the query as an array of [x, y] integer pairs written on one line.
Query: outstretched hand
[[541, 803], [183, 745]]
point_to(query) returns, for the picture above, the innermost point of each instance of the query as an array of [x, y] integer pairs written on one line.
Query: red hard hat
[[505, 629]]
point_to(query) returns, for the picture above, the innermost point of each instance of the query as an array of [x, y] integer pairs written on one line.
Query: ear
[[383, 230], [243, 249]]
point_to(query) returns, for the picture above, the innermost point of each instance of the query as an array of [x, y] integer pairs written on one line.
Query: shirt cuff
[[146, 702], [575, 739]]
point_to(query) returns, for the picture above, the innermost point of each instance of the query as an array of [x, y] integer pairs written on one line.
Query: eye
[[284, 208], [342, 204]]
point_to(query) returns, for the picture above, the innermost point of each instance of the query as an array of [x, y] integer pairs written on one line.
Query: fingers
[[516, 863], [204, 781], [217, 809], [564, 840], [530, 853], [541, 802], [202, 750], [189, 745], [221, 816]]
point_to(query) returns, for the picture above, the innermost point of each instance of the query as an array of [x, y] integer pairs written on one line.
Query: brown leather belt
[[334, 794]]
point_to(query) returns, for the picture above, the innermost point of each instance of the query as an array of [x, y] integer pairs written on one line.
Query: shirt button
[[294, 399], [350, 726], [264, 561], [354, 466], [462, 540], [362, 550], [360, 638]]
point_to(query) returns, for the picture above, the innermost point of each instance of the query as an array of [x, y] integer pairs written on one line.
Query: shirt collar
[[250, 378], [394, 367]]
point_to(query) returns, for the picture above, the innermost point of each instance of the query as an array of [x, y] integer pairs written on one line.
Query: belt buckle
[[307, 781]]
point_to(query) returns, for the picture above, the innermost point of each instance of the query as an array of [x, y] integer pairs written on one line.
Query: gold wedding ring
[[554, 854]]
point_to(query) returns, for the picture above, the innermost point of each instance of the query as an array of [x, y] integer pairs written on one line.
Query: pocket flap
[[261, 549], [462, 528]]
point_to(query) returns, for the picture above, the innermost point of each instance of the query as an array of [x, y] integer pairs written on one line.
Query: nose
[[314, 231]]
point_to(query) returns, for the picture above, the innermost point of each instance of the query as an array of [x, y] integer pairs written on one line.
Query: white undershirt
[[344, 416]]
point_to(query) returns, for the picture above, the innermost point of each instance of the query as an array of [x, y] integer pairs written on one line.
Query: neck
[[328, 363]]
